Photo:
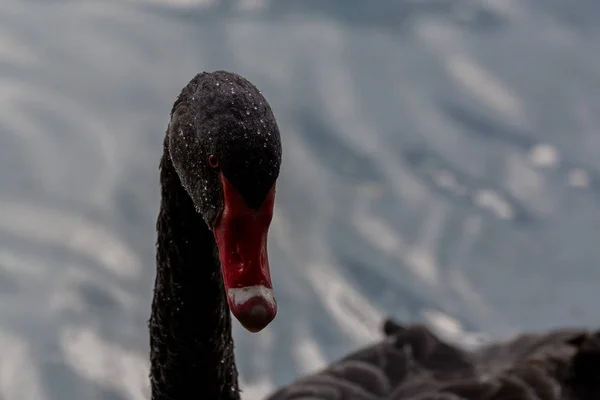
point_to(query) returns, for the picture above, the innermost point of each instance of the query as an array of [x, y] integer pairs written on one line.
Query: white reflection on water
[[440, 166]]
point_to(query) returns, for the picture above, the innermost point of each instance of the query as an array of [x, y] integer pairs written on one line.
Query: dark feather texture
[[411, 363], [190, 325], [191, 348], [223, 115]]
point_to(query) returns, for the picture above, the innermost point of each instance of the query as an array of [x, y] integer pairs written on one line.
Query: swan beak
[[255, 306], [241, 236]]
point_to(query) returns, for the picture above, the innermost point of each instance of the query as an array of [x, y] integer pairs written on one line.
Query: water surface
[[441, 165]]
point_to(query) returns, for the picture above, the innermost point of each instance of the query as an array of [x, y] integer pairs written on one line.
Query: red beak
[[241, 236]]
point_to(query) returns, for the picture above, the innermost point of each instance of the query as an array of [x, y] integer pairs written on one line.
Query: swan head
[[225, 145]]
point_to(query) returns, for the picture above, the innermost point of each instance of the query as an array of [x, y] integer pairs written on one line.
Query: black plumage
[[223, 115]]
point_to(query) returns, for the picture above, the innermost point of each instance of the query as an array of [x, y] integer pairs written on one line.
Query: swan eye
[[213, 161]]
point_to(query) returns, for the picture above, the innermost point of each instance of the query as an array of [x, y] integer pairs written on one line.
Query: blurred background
[[440, 165]]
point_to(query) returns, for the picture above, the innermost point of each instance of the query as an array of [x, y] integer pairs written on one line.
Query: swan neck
[[191, 346]]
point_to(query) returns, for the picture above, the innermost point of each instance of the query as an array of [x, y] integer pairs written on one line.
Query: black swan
[[222, 155]]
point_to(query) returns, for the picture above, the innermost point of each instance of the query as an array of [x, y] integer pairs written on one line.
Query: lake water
[[441, 165]]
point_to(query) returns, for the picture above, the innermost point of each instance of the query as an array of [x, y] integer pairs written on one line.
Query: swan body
[[411, 363], [221, 160]]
